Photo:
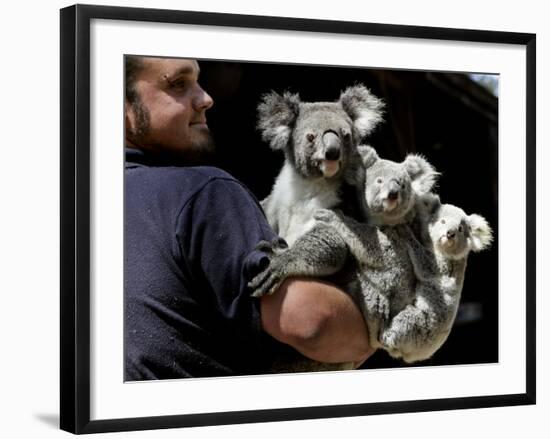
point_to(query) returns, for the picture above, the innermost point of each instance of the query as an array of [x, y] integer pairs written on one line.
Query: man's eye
[[178, 84], [379, 180]]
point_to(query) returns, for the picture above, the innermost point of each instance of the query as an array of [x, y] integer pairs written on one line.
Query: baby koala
[[368, 260], [448, 235]]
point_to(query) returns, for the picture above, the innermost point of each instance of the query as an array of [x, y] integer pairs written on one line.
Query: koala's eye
[[310, 137], [442, 221], [379, 180], [347, 136], [460, 229]]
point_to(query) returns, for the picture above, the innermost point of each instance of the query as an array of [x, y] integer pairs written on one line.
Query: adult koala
[[319, 141], [369, 260]]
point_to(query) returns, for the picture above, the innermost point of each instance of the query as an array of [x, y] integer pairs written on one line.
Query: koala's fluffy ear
[[481, 234], [423, 175], [365, 109], [276, 116], [368, 155]]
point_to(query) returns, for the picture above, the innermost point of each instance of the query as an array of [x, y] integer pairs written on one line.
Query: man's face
[[169, 115]]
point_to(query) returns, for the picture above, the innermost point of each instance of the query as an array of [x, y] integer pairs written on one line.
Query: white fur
[[366, 121], [293, 201], [481, 233]]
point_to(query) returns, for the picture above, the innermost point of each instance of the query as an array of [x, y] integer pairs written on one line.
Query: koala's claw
[[267, 282]]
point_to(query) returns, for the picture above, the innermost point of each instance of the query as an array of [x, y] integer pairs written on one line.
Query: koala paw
[[389, 340], [267, 282]]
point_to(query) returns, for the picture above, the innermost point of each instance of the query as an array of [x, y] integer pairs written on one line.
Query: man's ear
[[129, 120], [368, 155], [276, 117], [481, 234], [423, 174]]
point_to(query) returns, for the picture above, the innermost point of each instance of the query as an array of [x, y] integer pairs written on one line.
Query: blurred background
[[450, 118]]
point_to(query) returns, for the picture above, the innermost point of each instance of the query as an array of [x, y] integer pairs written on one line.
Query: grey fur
[[374, 265], [408, 290], [319, 140], [276, 114]]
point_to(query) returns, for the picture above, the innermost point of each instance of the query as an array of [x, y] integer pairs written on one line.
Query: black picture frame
[[76, 211]]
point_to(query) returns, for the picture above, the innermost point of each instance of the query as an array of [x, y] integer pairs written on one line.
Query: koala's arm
[[423, 259], [445, 275], [318, 253], [359, 237]]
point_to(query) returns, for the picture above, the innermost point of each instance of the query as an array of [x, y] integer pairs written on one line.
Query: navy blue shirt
[[189, 241]]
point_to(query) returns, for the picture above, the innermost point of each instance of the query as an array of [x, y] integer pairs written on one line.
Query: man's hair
[[132, 66]]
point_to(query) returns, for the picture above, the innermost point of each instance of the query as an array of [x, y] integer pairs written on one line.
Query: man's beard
[[200, 151], [142, 119]]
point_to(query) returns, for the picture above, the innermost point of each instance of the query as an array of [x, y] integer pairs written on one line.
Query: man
[[190, 237]]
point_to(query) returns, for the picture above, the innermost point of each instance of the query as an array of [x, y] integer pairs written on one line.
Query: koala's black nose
[[451, 234], [332, 144], [392, 195], [333, 153]]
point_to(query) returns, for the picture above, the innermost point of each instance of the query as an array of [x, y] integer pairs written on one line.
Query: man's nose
[[202, 101]]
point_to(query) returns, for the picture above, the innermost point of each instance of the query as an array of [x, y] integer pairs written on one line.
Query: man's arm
[[318, 320]]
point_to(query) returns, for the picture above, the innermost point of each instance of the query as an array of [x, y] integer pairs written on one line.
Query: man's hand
[[317, 319]]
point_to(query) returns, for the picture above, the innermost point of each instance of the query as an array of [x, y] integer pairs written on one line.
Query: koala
[[448, 235], [319, 142], [367, 259], [391, 189]]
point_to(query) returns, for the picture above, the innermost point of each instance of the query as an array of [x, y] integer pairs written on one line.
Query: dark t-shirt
[[189, 241]]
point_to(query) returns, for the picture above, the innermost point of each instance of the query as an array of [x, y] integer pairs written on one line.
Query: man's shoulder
[[180, 184], [190, 176], [209, 173]]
